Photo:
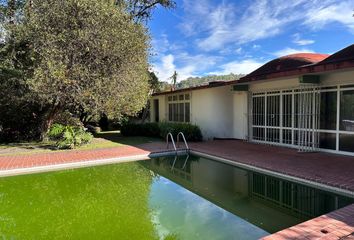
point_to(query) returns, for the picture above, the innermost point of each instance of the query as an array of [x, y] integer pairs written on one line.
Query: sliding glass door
[[320, 116]]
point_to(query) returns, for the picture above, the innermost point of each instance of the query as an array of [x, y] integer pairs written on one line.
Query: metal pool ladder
[[184, 140], [170, 136]]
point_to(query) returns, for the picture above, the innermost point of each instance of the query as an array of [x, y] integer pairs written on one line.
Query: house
[[305, 101]]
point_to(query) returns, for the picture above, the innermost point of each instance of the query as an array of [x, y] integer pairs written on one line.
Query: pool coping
[[71, 165], [85, 163]]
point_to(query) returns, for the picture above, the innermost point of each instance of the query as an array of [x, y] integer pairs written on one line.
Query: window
[[328, 140], [179, 108], [273, 110], [328, 114], [187, 112], [287, 110], [347, 111], [318, 117], [346, 142]]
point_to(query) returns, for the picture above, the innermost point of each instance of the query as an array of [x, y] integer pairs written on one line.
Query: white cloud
[[165, 68], [302, 42], [226, 23], [337, 12], [288, 51], [188, 65], [237, 67]]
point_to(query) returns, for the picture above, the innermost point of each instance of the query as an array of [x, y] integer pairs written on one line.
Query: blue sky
[[204, 37]]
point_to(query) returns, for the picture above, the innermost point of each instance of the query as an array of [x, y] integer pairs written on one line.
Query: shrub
[[67, 136], [150, 129], [131, 129], [146, 129], [191, 132]]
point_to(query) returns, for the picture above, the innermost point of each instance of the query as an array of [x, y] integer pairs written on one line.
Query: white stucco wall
[[339, 77], [282, 83], [212, 111], [162, 108], [240, 115]]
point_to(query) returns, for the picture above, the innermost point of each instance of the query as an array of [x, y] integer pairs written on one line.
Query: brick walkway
[[335, 225], [44, 159]]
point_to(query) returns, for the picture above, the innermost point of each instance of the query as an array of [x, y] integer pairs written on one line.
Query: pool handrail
[[173, 141], [184, 139]]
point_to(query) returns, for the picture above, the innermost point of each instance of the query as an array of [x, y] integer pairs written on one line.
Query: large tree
[[86, 55]]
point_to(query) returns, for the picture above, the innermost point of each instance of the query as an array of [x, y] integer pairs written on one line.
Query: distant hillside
[[197, 81]]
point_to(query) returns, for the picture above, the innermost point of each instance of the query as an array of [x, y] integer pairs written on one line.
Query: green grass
[[101, 140]]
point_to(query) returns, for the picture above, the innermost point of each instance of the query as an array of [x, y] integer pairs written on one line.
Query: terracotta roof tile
[[285, 63]]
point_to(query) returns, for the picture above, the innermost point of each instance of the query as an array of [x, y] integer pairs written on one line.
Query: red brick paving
[[43, 159], [335, 225]]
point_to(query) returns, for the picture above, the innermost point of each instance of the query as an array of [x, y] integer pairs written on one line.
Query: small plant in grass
[[69, 137]]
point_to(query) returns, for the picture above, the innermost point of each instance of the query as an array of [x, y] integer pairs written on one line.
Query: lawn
[[101, 140]]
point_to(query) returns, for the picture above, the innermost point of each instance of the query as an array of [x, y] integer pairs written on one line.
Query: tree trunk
[[145, 112], [47, 122]]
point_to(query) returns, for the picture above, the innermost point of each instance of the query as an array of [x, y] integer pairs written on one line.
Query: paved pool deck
[[324, 168]]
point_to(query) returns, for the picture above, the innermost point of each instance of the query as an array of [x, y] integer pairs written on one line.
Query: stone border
[[71, 165]]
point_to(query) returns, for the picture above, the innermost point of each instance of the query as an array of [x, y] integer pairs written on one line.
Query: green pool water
[[163, 198]]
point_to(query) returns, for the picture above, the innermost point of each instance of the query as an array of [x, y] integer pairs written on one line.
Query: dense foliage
[[82, 56], [191, 132], [68, 137]]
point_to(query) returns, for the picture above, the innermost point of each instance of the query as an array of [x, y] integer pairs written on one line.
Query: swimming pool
[[162, 198]]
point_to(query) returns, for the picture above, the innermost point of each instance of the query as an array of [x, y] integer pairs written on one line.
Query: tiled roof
[[345, 54], [284, 63]]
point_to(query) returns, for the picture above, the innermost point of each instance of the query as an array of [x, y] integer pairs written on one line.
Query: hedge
[[190, 131]]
